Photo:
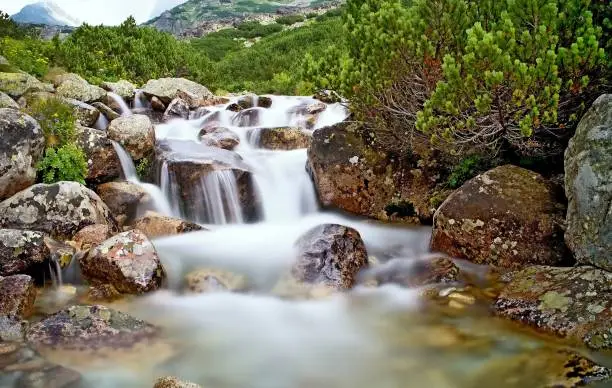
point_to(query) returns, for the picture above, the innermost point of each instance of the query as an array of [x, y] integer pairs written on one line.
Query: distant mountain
[[193, 14], [45, 12]]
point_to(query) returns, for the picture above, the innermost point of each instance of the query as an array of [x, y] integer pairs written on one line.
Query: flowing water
[[124, 109], [384, 337]]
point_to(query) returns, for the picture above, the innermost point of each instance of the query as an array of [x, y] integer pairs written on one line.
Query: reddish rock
[[92, 235], [155, 225], [283, 138], [17, 296]]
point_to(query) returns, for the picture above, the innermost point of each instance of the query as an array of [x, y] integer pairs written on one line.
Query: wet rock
[[103, 293], [264, 102], [17, 296], [17, 84], [570, 302], [89, 327], [588, 186], [166, 89], [212, 101], [110, 102], [507, 217], [61, 252], [124, 199], [177, 109], [122, 88], [234, 108], [283, 138], [215, 280], [7, 102], [21, 251], [415, 272], [315, 108], [127, 261], [12, 330], [21, 148], [86, 114], [91, 236], [327, 96], [173, 382], [247, 118], [27, 369], [102, 160], [331, 255], [135, 133], [157, 104], [252, 101], [60, 209], [155, 225], [109, 113], [219, 137], [74, 87]]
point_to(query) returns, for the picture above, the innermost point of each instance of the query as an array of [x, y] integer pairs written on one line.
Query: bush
[[27, 54], [290, 19], [56, 120], [66, 163]]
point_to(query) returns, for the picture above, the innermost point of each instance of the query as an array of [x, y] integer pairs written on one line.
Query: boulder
[[86, 114], [219, 137], [75, 87], [234, 107], [25, 368], [155, 225], [102, 160], [59, 209], [91, 236], [177, 109], [331, 255], [21, 148], [17, 84], [89, 327], [588, 186], [157, 104], [109, 113], [166, 89], [7, 102], [214, 280], [122, 88], [283, 138], [315, 108], [264, 102], [507, 217], [135, 133], [127, 261], [17, 296], [173, 382], [11, 330], [124, 199], [247, 118], [21, 251], [574, 303]]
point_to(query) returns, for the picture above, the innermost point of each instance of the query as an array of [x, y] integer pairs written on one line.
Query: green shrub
[[290, 19], [311, 15], [143, 168], [467, 168], [27, 54], [66, 163], [56, 120]]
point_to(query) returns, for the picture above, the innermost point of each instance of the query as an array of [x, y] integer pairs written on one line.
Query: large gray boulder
[[86, 114], [17, 84], [135, 133], [588, 186], [102, 160], [7, 102], [21, 251], [75, 87], [60, 209], [21, 148], [122, 88], [167, 89]]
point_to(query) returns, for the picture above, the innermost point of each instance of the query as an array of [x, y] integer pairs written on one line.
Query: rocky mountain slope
[[45, 12]]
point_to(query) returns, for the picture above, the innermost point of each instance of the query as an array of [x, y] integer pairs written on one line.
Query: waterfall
[[124, 109], [220, 193], [101, 122], [140, 100]]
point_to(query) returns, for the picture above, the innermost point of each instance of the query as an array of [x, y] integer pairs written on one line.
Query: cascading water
[[140, 100], [124, 109], [101, 122], [221, 201]]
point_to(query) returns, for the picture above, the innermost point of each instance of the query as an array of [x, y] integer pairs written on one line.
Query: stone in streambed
[[214, 280], [124, 199], [109, 113], [415, 272], [331, 255], [508, 217], [17, 84], [173, 382], [155, 225], [122, 88], [283, 138], [177, 109], [127, 261], [219, 137], [92, 235], [17, 296], [135, 133], [572, 302], [102, 160], [167, 89], [22, 251]]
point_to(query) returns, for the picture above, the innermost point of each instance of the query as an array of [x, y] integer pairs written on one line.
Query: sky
[[109, 12]]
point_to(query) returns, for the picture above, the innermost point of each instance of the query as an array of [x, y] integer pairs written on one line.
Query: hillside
[[196, 17]]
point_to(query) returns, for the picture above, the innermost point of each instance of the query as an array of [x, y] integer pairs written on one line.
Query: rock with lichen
[[60, 209], [167, 89], [173, 382], [574, 303], [89, 327], [135, 133], [508, 217], [17, 296], [282, 138], [22, 251], [588, 186], [126, 200], [103, 164], [92, 235], [206, 280], [127, 261], [122, 88], [73, 86]]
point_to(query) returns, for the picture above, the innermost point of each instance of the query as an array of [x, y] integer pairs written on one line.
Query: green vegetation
[[466, 169], [63, 159], [467, 76], [143, 168], [290, 19]]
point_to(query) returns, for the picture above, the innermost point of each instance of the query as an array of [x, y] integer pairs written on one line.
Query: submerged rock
[[415, 272], [177, 109], [507, 217], [122, 88], [17, 296], [127, 261], [135, 133], [21, 251], [124, 199], [173, 382], [7, 102], [155, 225], [331, 255], [102, 160], [29, 370], [21, 148], [60, 209], [73, 86], [214, 280], [588, 186], [570, 302], [12, 330], [89, 327], [219, 137], [17, 84], [283, 138], [167, 89]]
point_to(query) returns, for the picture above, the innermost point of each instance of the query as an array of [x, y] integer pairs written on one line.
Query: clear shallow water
[[384, 337]]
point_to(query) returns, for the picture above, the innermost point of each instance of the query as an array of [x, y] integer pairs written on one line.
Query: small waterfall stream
[[124, 109]]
